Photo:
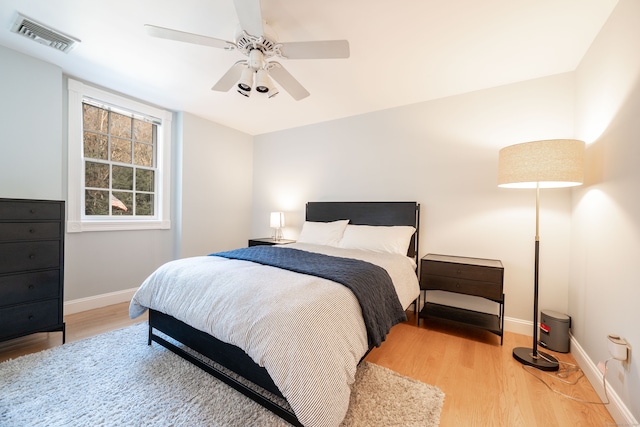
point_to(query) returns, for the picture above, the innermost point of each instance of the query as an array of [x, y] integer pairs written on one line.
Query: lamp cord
[[563, 373]]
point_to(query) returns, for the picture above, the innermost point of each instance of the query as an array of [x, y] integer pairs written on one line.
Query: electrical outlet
[[618, 347]]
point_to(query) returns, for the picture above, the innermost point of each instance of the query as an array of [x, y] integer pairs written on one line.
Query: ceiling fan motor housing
[[246, 42], [256, 59]]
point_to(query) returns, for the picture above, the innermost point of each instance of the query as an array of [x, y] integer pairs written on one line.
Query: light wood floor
[[483, 385]]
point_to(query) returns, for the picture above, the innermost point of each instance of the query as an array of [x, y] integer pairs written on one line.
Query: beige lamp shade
[[552, 163]]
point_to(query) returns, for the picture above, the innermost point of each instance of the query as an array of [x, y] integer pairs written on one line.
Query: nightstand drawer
[[492, 291], [30, 317], [21, 288], [463, 271], [11, 231], [30, 210], [23, 256]]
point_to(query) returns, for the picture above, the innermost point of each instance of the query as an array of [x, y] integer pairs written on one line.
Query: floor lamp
[[540, 164]]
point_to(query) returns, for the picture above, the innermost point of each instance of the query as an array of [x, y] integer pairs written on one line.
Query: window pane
[[144, 204], [121, 125], [142, 131], [95, 118], [95, 146], [122, 178], [96, 175], [96, 202], [121, 203], [144, 180], [143, 155], [120, 150]]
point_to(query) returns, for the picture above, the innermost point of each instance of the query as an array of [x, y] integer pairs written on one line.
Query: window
[[119, 159], [119, 162]]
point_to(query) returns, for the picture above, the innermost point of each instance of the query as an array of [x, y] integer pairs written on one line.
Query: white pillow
[[322, 233], [387, 239]]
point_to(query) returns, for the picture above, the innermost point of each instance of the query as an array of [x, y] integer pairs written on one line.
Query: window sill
[[80, 226]]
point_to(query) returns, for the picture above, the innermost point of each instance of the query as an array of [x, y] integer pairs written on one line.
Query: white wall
[[216, 187], [604, 288], [31, 144], [442, 154]]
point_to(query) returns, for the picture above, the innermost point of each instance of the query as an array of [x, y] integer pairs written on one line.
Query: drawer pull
[[459, 271], [30, 317], [31, 286], [32, 256], [32, 211], [31, 230]]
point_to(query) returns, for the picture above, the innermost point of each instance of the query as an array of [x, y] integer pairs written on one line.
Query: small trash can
[[554, 331]]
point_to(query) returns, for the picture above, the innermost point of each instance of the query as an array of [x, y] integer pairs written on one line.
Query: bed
[[304, 365]]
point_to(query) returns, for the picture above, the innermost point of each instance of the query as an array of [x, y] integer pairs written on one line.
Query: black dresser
[[31, 267]]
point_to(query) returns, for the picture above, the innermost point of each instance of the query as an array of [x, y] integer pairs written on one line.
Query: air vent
[[43, 35]]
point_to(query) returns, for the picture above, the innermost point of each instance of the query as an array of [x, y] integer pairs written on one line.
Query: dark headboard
[[370, 213]]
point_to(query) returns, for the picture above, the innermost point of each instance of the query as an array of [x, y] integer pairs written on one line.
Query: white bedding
[[306, 331]]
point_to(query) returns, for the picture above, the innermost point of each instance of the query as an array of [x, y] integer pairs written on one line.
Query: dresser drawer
[[462, 271], [10, 231], [30, 210], [21, 288], [25, 318], [23, 256], [492, 291]]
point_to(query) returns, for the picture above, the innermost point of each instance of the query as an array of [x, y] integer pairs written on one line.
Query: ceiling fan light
[[263, 81], [246, 80]]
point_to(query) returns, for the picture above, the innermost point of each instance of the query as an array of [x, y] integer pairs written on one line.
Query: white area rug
[[116, 379]]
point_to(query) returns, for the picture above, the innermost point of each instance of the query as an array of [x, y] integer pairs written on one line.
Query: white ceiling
[[402, 51]]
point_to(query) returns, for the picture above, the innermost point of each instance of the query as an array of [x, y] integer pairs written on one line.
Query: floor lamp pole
[[531, 356]]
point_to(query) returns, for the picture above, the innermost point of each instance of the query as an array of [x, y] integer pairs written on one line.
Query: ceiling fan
[[253, 40]]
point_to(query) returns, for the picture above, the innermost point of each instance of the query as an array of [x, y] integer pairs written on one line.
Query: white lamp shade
[[277, 219], [246, 80], [263, 81], [552, 163]]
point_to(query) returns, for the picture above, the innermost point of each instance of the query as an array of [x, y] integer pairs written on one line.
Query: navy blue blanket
[[371, 284]]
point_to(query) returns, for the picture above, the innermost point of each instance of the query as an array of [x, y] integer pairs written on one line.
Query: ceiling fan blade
[[181, 36], [287, 81], [315, 50], [230, 78], [250, 16]]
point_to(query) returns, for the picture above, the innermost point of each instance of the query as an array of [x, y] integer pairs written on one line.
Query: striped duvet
[[306, 331]]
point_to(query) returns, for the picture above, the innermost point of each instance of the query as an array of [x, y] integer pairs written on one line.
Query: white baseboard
[[618, 410], [518, 326], [98, 301]]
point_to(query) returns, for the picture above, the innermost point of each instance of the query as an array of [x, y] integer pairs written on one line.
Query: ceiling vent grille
[[43, 35]]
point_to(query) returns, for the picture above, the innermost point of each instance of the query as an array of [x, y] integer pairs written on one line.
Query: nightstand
[[478, 277], [268, 241]]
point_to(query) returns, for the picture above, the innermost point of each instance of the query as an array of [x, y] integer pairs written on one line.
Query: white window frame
[[76, 220]]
